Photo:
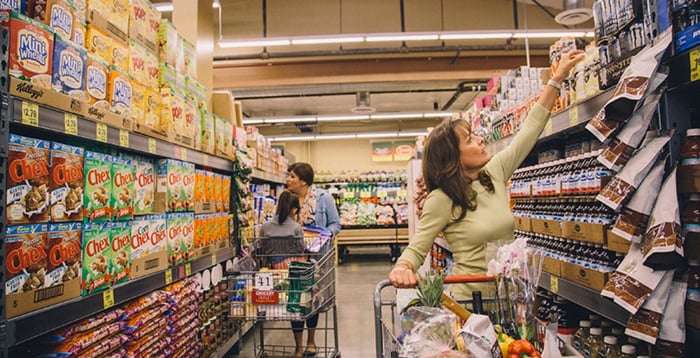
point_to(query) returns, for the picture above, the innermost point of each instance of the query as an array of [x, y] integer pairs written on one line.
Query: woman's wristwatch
[[554, 84]]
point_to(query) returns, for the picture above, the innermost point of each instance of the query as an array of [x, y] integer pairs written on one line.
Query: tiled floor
[[356, 280]]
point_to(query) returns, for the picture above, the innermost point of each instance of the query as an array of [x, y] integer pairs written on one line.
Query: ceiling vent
[[575, 12], [363, 105]]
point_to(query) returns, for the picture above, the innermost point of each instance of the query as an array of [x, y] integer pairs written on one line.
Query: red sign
[[265, 297]]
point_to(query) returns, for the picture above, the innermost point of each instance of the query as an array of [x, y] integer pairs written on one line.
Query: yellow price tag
[[183, 154], [554, 284], [108, 298], [573, 116], [70, 123], [213, 259], [348, 195], [152, 145], [168, 276], [401, 192], [382, 194], [30, 113], [694, 58], [365, 194], [548, 127], [188, 269], [124, 138], [205, 159], [101, 132]]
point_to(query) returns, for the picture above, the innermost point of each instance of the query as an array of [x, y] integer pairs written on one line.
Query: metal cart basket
[[294, 280], [386, 330]]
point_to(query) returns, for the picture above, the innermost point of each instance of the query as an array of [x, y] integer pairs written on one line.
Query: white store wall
[[343, 154]]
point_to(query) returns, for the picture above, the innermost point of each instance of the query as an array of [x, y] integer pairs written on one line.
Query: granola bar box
[[98, 187], [64, 253], [25, 257], [27, 196], [97, 253], [66, 183]]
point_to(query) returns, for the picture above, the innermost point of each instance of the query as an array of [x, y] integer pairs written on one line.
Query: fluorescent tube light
[[535, 34], [442, 114], [253, 121], [396, 115], [292, 138], [377, 135], [255, 43], [474, 35], [327, 40], [341, 117], [216, 4], [164, 6], [291, 119], [412, 134], [402, 37]]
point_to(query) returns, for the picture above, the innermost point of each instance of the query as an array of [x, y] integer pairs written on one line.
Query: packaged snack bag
[[27, 196], [64, 253], [98, 187], [97, 253], [26, 257], [70, 62], [66, 183], [31, 48]]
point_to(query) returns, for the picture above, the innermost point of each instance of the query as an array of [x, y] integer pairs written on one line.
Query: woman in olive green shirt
[[468, 201]]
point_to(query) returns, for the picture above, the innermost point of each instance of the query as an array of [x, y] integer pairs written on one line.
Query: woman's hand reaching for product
[[566, 63], [402, 276]]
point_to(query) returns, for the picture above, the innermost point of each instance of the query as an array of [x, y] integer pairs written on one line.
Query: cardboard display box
[[547, 227], [522, 224], [617, 243], [585, 277], [33, 300], [47, 96], [155, 262], [593, 233], [551, 265]]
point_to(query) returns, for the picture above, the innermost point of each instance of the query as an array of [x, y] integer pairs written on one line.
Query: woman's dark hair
[[442, 167], [304, 171], [286, 202]]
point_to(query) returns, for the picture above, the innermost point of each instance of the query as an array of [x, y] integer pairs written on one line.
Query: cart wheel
[[337, 355], [393, 259], [263, 355]]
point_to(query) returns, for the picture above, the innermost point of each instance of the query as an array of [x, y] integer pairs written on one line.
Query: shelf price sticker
[[183, 154], [108, 298], [573, 116], [101, 132], [694, 57], [124, 138], [213, 259], [382, 194], [168, 276], [348, 195], [205, 159], [30, 113], [365, 194], [554, 284], [263, 281], [70, 123], [152, 145], [188, 269], [402, 193]]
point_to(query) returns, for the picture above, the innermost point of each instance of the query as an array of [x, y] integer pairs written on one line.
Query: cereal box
[[152, 69], [137, 62], [187, 224], [219, 135], [101, 6], [207, 133], [191, 121], [218, 199], [61, 18], [188, 177], [31, 48], [140, 237], [138, 98], [154, 17], [19, 6], [98, 43], [169, 43], [64, 253], [119, 16], [66, 183], [169, 181], [167, 75], [120, 55], [173, 108], [200, 230], [27, 180], [200, 186], [189, 58], [174, 242], [151, 112], [80, 7], [226, 193], [96, 82], [79, 33], [97, 253], [37, 9], [119, 91], [69, 64], [197, 92], [158, 232], [98, 187], [120, 261], [145, 187], [122, 198], [209, 187], [25, 257]]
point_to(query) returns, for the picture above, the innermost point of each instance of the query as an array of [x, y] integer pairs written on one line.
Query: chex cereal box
[[144, 187], [120, 261], [187, 224], [226, 193], [122, 198], [19, 6], [98, 187], [31, 48], [27, 180], [169, 181], [66, 183], [120, 54], [158, 232], [96, 82], [79, 33], [60, 17], [69, 65], [207, 133], [64, 253], [174, 239], [25, 257], [98, 43], [189, 53], [187, 193], [140, 237], [119, 91], [97, 253]]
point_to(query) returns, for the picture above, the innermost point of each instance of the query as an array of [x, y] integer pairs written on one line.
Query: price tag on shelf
[[382, 194], [124, 138], [401, 192], [365, 194], [70, 123], [176, 152], [205, 159], [183, 154], [188, 269], [107, 298], [548, 127], [168, 276], [101, 132], [263, 281], [554, 284], [213, 259], [694, 57], [348, 195], [30, 113], [152, 145], [573, 116]]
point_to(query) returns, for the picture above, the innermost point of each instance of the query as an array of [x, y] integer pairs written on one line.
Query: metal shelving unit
[[264, 176]]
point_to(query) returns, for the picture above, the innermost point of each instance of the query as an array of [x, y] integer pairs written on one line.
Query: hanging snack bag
[[631, 88], [25, 257], [621, 148], [644, 324], [97, 253], [31, 49], [122, 199], [119, 91], [60, 18], [621, 187], [662, 246], [98, 187], [634, 217], [69, 68], [671, 340], [66, 183], [144, 186], [27, 196], [96, 82], [64, 253], [120, 261]]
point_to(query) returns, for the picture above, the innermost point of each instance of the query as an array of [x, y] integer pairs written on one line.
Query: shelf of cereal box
[[32, 114], [261, 175], [36, 323]]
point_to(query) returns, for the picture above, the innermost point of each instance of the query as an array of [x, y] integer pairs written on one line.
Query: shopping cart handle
[[469, 278]]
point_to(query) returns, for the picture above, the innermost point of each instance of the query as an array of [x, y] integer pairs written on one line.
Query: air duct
[[575, 12]]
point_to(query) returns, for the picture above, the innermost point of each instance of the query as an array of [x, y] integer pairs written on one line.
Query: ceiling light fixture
[[168, 6], [346, 117], [396, 115], [327, 40], [342, 117], [265, 42], [442, 114], [475, 35], [331, 136], [403, 36]]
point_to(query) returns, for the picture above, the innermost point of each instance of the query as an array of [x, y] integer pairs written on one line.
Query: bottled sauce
[[606, 326], [693, 293], [628, 351], [594, 343], [610, 348], [581, 336], [690, 151]]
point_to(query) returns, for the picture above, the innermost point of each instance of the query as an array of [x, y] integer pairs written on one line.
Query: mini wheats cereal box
[[120, 261], [25, 257], [96, 82], [169, 181], [122, 200], [64, 253], [60, 18], [31, 49], [144, 187], [79, 33], [69, 63], [66, 183], [174, 242], [159, 232], [188, 184], [140, 237], [98, 187], [27, 180], [19, 6], [97, 253], [119, 91]]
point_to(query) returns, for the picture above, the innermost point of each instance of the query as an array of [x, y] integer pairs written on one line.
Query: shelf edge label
[[694, 58], [124, 138], [101, 132], [107, 298], [70, 123], [168, 276], [30, 113], [554, 284], [152, 145]]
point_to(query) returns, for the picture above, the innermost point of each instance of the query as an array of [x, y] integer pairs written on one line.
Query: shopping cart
[[293, 279], [386, 331]]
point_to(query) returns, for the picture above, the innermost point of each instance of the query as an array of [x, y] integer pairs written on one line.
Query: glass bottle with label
[[594, 343], [610, 348], [581, 336], [628, 351], [693, 293]]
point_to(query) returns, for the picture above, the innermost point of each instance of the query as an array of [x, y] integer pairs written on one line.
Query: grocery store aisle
[[355, 283]]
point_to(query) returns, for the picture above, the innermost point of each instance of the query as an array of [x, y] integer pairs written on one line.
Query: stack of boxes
[[265, 157]]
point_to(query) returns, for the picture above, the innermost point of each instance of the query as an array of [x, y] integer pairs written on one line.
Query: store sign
[[265, 297], [382, 151], [403, 150]]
